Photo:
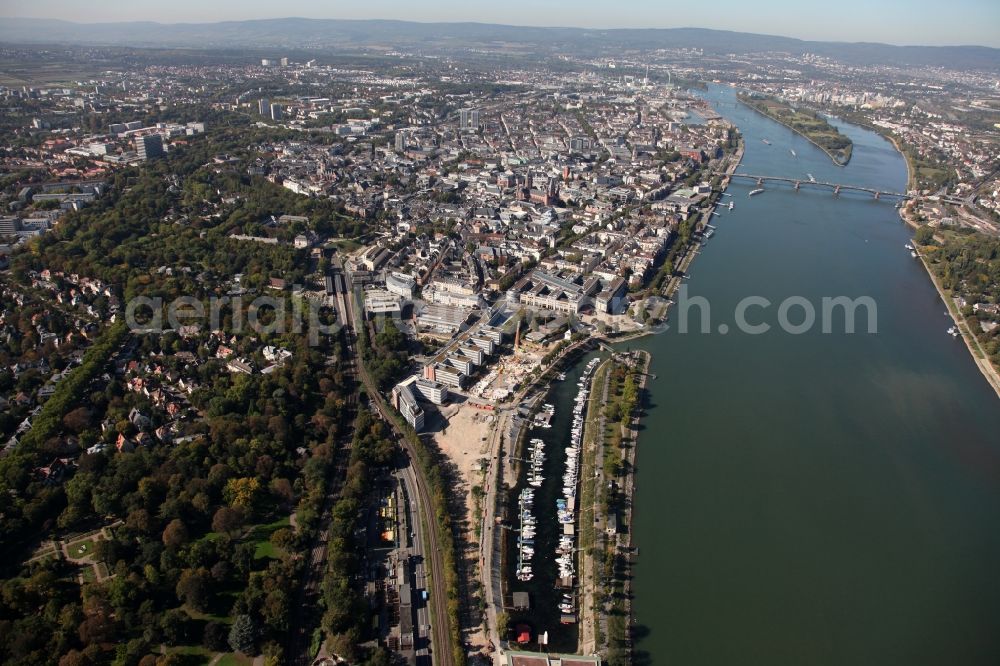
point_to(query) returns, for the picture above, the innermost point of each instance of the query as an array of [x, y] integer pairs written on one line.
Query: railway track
[[305, 617], [440, 635]]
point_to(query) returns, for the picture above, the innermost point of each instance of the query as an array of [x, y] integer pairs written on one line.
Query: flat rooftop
[[515, 658]]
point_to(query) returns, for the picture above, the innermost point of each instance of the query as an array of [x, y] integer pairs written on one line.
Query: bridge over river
[[837, 188]]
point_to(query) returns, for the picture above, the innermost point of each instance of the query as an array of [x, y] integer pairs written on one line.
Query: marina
[[566, 505], [544, 418], [526, 535], [543, 529]]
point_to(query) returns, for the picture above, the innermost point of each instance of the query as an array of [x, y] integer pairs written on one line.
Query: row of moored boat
[[566, 505], [526, 537]]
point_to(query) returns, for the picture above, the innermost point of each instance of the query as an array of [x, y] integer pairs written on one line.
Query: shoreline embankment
[[982, 361], [986, 367]]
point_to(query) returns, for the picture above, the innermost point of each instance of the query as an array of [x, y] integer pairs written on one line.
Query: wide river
[[816, 499]]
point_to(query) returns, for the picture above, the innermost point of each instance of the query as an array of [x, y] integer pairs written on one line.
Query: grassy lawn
[[88, 575], [266, 549], [930, 175], [261, 535], [192, 654], [81, 549], [233, 659], [345, 245]]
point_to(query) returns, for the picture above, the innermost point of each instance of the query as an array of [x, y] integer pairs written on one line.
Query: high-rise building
[[402, 139], [405, 400], [468, 119], [276, 112], [284, 62], [267, 62], [9, 226], [149, 146], [264, 107]]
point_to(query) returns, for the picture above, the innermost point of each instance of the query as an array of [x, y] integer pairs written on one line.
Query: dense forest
[[157, 509], [172, 214], [968, 265]]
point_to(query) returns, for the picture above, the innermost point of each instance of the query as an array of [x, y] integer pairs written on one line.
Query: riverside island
[[808, 124]]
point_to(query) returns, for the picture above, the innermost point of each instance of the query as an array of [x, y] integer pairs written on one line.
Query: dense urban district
[[276, 332]]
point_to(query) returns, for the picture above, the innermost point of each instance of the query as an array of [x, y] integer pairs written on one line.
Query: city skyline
[[389, 342], [968, 22]]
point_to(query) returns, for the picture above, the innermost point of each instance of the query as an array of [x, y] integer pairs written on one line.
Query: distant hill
[[344, 35]]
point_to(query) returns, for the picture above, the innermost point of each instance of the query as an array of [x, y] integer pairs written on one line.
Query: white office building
[[432, 392], [400, 284], [405, 400]]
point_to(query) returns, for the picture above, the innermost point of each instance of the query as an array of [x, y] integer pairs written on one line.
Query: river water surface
[[821, 499]]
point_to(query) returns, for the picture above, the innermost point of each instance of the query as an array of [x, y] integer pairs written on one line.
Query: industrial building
[[442, 318]]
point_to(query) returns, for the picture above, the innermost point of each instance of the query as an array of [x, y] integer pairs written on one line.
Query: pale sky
[[891, 21]]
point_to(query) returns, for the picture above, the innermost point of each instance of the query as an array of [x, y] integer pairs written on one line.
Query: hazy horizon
[[896, 22]]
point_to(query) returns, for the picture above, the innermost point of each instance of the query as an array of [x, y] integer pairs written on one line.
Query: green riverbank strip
[[593, 432], [984, 360], [808, 124], [610, 437]]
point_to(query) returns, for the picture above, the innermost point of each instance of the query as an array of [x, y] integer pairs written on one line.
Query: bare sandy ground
[[465, 441]]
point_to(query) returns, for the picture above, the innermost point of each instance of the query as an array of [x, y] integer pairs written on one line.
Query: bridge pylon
[[837, 191], [760, 182], [878, 195], [797, 183]]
